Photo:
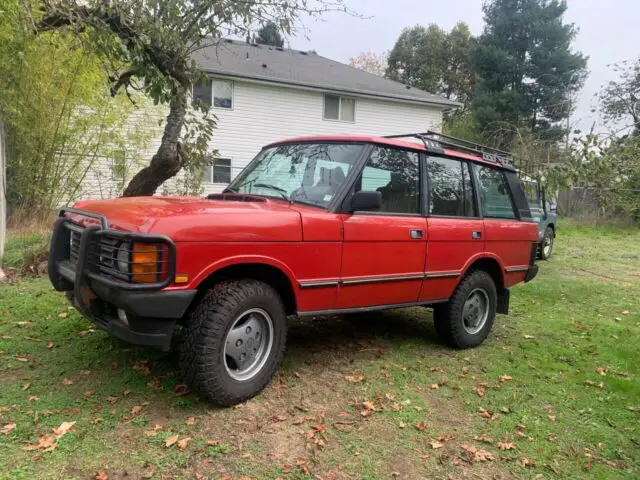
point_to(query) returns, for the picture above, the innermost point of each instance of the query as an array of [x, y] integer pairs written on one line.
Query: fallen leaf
[[171, 440], [63, 315], [435, 445], [143, 367], [421, 426], [181, 390], [182, 444], [484, 438], [434, 386], [626, 312], [46, 443], [22, 359], [25, 386], [8, 428], [476, 455], [507, 446], [552, 437], [504, 378], [102, 475], [354, 378], [67, 381], [368, 408], [34, 398], [445, 438], [149, 472], [527, 462], [63, 428], [88, 394], [528, 337], [136, 409], [213, 443], [49, 344], [279, 418], [190, 421], [601, 371], [402, 425], [480, 390]]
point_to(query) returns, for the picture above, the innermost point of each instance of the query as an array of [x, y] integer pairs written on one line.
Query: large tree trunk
[[168, 160]]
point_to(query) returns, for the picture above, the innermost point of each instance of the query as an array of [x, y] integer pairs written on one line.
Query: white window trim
[[213, 98], [340, 97], [210, 166]]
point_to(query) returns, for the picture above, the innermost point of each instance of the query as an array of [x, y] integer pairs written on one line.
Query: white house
[[261, 94]]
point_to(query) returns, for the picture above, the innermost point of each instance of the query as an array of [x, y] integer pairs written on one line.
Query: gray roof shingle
[[308, 69]]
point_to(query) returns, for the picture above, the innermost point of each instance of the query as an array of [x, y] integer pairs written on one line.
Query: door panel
[[381, 263], [511, 240], [452, 242]]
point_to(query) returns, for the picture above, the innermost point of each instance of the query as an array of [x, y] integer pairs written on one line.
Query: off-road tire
[[448, 319], [202, 350], [548, 235]]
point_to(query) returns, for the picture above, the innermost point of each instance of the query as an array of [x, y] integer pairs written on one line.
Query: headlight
[[146, 263], [124, 250]]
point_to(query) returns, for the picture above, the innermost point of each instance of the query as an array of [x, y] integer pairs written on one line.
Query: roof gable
[[307, 69]]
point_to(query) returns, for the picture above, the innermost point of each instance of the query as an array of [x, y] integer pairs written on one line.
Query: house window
[[218, 171], [339, 108], [214, 91]]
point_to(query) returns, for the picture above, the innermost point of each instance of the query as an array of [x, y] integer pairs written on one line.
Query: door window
[[494, 193], [450, 188], [395, 174]]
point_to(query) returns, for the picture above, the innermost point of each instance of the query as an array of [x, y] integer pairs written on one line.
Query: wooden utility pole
[[3, 199]]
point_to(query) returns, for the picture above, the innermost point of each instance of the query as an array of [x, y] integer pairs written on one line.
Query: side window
[[394, 173], [494, 193], [450, 188]]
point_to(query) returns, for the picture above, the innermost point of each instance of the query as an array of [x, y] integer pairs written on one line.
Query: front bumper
[[141, 314]]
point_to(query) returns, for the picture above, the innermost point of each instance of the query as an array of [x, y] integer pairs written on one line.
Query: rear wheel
[[233, 341], [466, 320], [546, 245]]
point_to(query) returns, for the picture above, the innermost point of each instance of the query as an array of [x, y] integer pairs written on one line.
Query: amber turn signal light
[[146, 265]]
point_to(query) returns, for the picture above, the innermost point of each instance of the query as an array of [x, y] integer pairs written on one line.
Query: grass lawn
[[553, 393]]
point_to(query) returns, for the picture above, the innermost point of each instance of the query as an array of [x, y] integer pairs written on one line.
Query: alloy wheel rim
[[475, 311], [547, 246], [248, 344]]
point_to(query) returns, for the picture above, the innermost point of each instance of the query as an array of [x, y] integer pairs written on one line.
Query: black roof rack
[[433, 139]]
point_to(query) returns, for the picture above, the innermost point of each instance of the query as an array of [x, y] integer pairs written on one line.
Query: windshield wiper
[[281, 191]]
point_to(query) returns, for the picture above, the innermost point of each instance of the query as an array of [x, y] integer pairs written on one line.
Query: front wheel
[[233, 341], [546, 245], [466, 320]]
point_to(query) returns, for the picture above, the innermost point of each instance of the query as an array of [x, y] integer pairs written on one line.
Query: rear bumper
[[532, 272], [138, 314]]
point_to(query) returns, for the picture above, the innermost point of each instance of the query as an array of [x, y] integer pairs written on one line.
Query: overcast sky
[[609, 31]]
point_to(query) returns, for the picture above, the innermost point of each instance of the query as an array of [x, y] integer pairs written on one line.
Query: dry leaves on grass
[[49, 344], [354, 378], [527, 462], [504, 378], [528, 337], [484, 438], [67, 382], [434, 386], [170, 441], [143, 367], [22, 359], [101, 475], [507, 446], [181, 389], [435, 444], [421, 426], [137, 409], [25, 386], [190, 421], [481, 389], [182, 443], [8, 428], [476, 455], [63, 315], [602, 371], [367, 408], [279, 418]]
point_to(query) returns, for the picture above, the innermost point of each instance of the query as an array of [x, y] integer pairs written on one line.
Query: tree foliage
[[147, 45], [435, 60], [528, 71], [370, 62], [620, 98], [269, 34]]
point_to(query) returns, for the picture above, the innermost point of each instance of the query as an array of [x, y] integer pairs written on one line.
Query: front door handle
[[417, 234], [476, 235]]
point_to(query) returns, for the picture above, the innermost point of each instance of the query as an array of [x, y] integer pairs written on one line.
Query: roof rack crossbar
[[459, 144]]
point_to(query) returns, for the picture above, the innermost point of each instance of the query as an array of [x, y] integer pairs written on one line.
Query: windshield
[[299, 172]]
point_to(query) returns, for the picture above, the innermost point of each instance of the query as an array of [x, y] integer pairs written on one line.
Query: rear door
[[456, 230], [384, 251], [507, 222]]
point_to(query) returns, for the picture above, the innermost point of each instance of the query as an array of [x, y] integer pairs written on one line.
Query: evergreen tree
[[528, 72], [269, 34]]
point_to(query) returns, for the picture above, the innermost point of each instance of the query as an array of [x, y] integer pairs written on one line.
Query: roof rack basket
[[433, 139]]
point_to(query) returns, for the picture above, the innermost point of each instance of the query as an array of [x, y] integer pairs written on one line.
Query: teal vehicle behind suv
[[544, 214]]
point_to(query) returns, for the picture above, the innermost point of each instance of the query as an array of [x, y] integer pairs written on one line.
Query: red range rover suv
[[312, 226]]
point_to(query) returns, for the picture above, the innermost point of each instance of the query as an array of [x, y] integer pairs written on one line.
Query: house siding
[[263, 114]]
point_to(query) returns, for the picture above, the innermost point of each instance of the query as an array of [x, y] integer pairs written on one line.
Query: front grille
[[75, 232]]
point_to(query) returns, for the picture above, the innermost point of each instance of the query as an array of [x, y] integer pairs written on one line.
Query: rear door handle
[[476, 235], [417, 234]]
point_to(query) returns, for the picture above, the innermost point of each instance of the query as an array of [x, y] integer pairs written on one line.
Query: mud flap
[[503, 301]]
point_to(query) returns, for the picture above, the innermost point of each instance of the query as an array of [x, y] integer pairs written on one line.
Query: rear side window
[[495, 196], [450, 188]]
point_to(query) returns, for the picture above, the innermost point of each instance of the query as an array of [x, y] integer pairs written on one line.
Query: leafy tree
[[370, 62], [620, 99], [528, 71], [435, 60], [269, 34], [148, 44]]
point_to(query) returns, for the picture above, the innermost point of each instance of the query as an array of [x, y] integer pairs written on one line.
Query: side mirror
[[365, 200]]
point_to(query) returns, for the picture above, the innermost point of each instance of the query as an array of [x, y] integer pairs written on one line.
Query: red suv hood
[[196, 219]]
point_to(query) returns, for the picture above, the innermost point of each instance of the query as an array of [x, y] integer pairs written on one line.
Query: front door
[[456, 231], [384, 251]]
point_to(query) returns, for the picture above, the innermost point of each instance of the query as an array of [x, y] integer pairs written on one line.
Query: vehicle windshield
[[299, 172]]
